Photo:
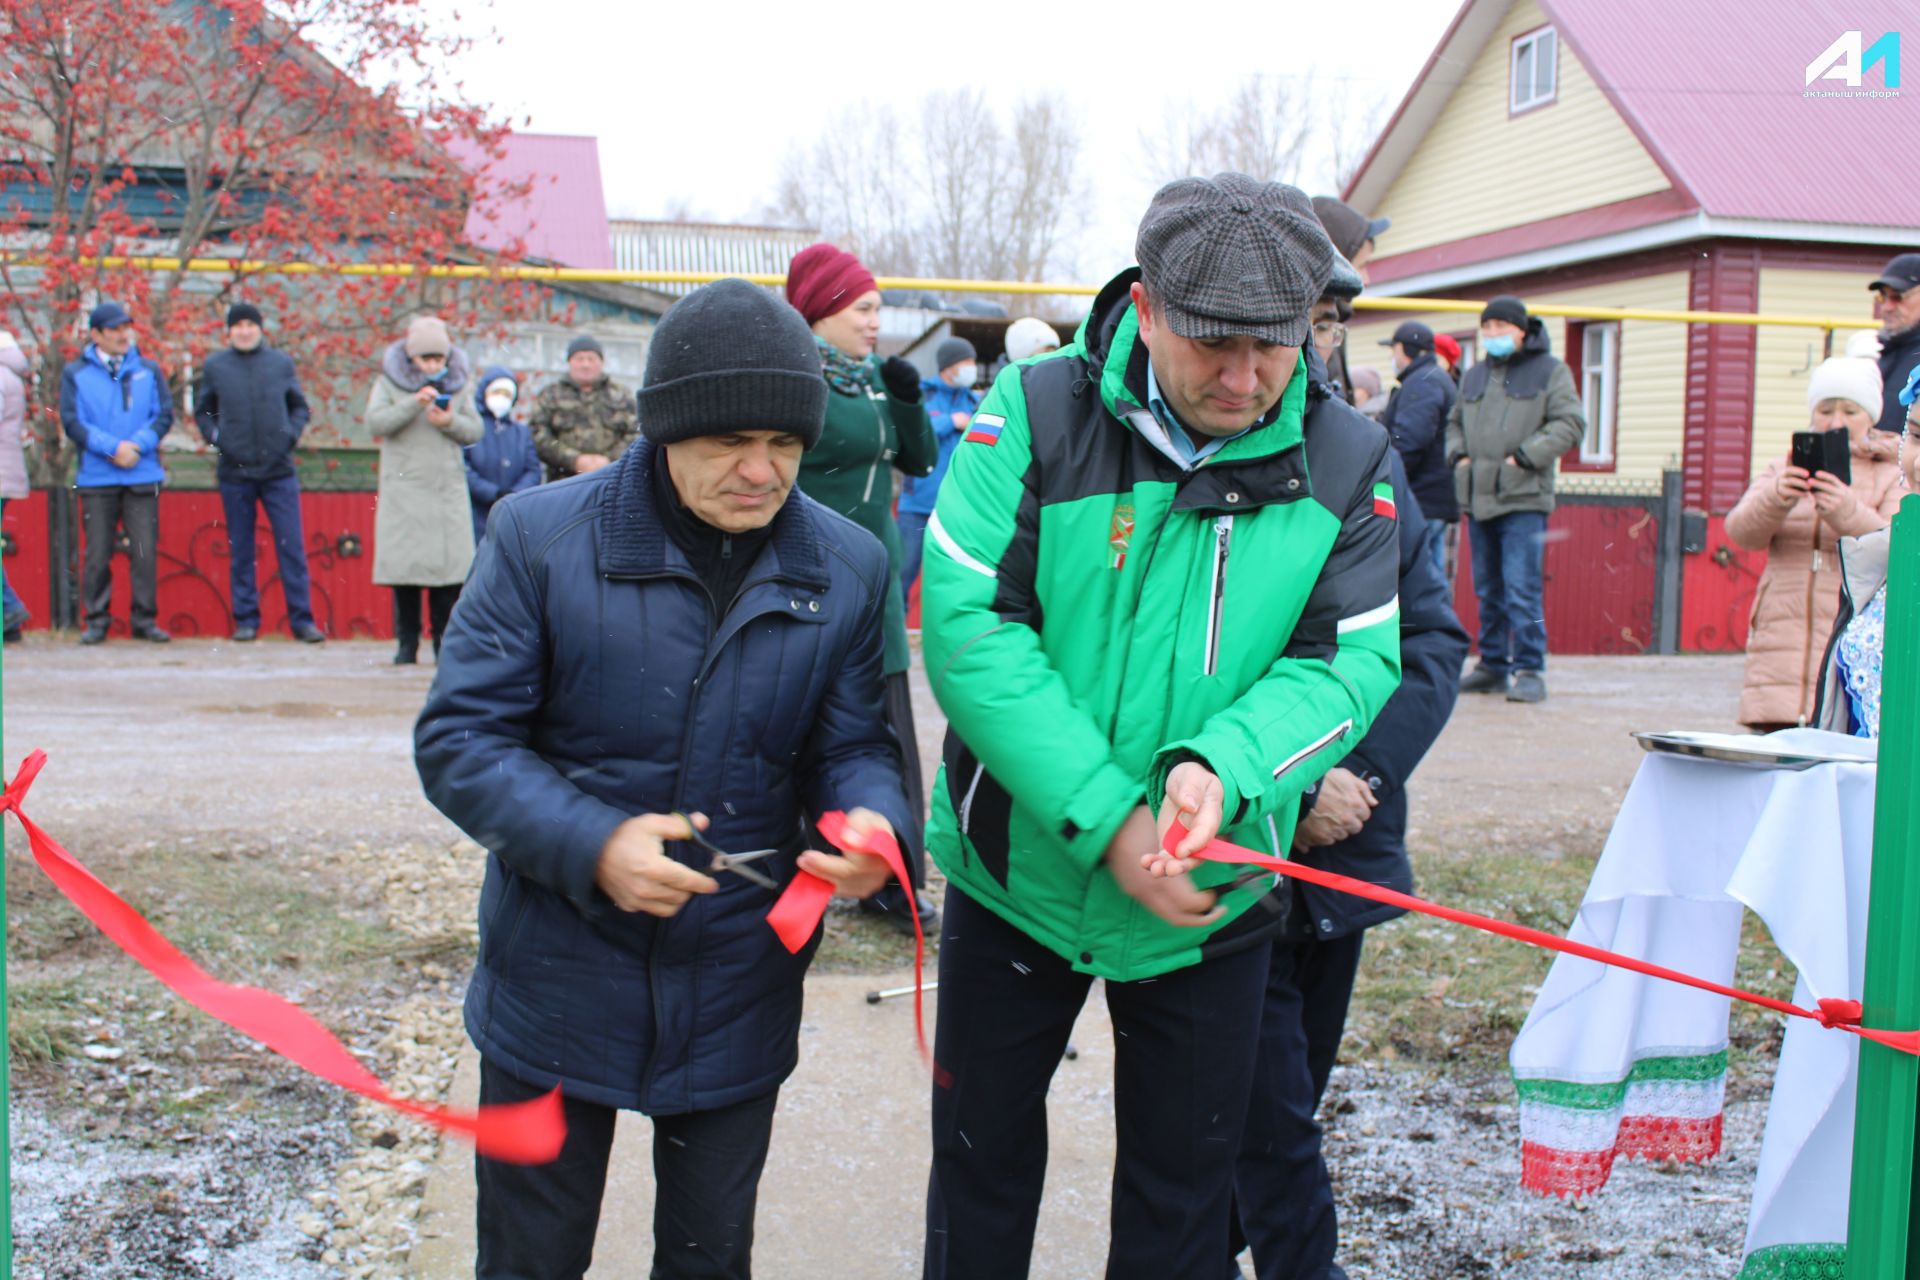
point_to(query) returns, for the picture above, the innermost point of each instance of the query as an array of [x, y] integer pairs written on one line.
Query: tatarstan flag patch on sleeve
[[985, 429], [1383, 501]]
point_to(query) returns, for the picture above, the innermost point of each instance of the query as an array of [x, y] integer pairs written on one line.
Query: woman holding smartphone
[[1798, 516], [423, 523]]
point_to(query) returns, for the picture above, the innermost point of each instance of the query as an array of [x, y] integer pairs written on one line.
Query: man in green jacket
[[1517, 413], [1147, 586]]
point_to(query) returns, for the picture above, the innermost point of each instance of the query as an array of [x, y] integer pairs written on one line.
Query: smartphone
[[443, 400], [1828, 451]]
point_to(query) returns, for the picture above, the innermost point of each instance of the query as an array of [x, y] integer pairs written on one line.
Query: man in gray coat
[[1517, 413]]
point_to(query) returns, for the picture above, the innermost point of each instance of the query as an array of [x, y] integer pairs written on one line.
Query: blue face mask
[[1498, 348]]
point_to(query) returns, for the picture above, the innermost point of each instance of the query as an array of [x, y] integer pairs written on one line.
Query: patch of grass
[[41, 1019], [1431, 992]]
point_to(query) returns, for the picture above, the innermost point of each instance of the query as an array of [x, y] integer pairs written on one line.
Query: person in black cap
[[949, 401], [1416, 418], [1156, 586], [250, 407], [1897, 304], [680, 640], [585, 420], [1517, 413], [115, 406]]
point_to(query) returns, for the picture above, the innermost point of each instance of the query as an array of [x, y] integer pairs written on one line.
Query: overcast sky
[[696, 103]]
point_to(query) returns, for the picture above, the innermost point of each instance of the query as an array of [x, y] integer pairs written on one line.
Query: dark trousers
[[537, 1222], [104, 511], [406, 615], [1284, 1198], [281, 498], [913, 545], [1509, 555], [1184, 1047]]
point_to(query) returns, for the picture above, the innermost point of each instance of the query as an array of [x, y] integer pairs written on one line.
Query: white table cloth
[[1612, 1064]]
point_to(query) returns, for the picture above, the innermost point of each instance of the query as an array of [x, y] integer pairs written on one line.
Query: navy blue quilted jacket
[[585, 680]]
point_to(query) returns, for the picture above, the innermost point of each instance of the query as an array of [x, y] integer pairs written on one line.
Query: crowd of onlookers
[[1480, 440]]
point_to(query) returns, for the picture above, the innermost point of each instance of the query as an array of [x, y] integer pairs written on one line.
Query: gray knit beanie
[[732, 357]]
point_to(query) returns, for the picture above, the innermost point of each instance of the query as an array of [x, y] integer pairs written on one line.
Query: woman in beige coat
[[421, 411], [1798, 518]]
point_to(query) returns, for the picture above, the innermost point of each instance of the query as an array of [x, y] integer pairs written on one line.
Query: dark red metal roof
[[1718, 95], [563, 218]]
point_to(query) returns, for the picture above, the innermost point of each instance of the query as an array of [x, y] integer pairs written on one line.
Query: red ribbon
[[1839, 1015], [798, 912], [518, 1133]]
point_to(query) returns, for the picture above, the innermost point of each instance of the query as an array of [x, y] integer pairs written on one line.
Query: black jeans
[[1183, 1065], [103, 512], [281, 498], [1284, 1198], [537, 1222], [406, 615]]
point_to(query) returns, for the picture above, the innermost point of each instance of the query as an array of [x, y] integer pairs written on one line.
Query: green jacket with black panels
[[1094, 613]]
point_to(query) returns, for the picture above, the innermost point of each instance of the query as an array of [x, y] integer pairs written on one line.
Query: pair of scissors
[[734, 862]]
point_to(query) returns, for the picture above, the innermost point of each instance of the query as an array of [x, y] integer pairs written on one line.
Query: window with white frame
[[1599, 389], [1535, 76]]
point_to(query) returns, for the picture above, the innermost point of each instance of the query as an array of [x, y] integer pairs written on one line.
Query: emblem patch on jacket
[[985, 429], [1383, 501], [1120, 535]]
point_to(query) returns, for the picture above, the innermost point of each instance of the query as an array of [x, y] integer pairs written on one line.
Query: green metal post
[[1881, 1244], [6, 1049]]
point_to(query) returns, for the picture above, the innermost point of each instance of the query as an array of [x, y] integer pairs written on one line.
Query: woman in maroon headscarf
[[875, 426]]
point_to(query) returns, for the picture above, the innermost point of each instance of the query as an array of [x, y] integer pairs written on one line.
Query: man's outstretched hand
[[856, 874], [1195, 797]]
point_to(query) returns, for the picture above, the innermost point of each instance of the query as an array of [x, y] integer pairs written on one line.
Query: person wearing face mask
[[503, 460], [950, 400], [875, 426], [1416, 418], [1517, 413], [1798, 517], [423, 522], [1850, 684], [250, 407]]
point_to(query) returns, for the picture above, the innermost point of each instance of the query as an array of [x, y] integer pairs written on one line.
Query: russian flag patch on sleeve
[[985, 429], [1383, 501]]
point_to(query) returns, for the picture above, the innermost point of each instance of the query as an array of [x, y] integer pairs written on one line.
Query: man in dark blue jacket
[[503, 460], [1416, 418], [679, 633], [115, 406], [1354, 823], [250, 407]]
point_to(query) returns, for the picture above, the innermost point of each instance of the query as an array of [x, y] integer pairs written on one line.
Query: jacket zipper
[[880, 439], [1312, 749], [966, 802], [1217, 594]]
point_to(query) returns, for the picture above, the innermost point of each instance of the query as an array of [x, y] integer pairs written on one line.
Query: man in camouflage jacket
[[585, 420]]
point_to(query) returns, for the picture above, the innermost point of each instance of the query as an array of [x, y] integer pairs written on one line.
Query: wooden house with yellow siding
[[1641, 154]]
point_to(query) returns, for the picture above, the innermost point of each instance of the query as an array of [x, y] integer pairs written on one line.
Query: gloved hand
[[902, 379]]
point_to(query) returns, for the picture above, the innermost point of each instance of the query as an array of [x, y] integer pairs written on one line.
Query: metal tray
[[1747, 751]]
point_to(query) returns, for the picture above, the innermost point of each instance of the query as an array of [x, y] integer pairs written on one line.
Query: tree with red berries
[[315, 131]]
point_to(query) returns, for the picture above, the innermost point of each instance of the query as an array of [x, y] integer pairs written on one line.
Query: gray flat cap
[[1231, 255]]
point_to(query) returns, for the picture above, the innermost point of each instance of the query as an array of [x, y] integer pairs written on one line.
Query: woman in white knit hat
[[1798, 518]]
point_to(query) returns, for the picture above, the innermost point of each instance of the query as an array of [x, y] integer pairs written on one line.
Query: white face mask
[[964, 375], [499, 406]]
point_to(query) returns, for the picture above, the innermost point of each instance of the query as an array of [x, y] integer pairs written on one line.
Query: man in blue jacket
[[115, 406], [250, 407], [949, 401], [1416, 418], [678, 633], [1353, 822]]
